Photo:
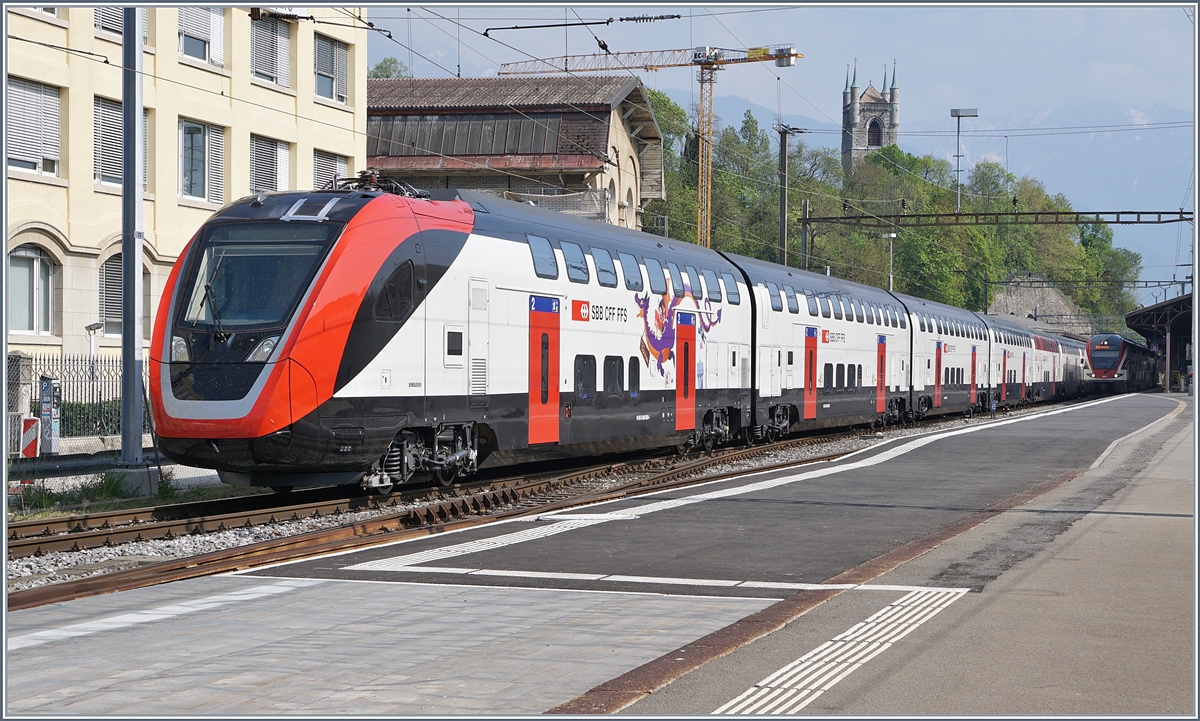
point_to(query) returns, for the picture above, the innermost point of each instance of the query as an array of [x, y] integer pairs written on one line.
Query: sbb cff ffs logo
[[581, 310]]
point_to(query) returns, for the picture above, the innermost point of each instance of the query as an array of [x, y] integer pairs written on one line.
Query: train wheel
[[445, 478], [747, 436], [709, 442], [383, 490]]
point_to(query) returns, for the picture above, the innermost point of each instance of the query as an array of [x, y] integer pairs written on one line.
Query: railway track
[[459, 508]]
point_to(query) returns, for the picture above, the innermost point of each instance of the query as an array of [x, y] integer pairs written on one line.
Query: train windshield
[[251, 275], [1105, 359]]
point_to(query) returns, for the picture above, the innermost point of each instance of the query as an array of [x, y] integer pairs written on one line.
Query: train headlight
[[179, 350], [263, 350]]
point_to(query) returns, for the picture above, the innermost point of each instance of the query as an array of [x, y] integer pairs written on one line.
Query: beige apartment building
[[233, 105]]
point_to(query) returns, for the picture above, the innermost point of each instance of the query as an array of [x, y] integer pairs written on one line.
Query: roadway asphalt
[[524, 616]]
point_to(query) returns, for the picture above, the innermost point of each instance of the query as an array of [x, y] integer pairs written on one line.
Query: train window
[[776, 303], [577, 268], [858, 311], [903, 316], [711, 285], [812, 303], [828, 378], [635, 380], [938, 322], [867, 311], [884, 319], [614, 370], [825, 311], [585, 378], [545, 265], [837, 306], [841, 376], [654, 271], [631, 270], [790, 293], [731, 289], [860, 377], [454, 342], [395, 301], [850, 382], [921, 318], [676, 279], [694, 281], [790, 358], [606, 272]]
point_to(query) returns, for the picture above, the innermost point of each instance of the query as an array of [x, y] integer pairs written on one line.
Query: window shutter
[[107, 138], [324, 168], [263, 49], [283, 58], [109, 19], [23, 99], [216, 36], [216, 164], [323, 54], [194, 21], [282, 165], [343, 166], [341, 71], [145, 148], [263, 162], [111, 284]]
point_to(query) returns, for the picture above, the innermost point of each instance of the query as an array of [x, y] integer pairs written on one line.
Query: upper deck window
[[545, 264]]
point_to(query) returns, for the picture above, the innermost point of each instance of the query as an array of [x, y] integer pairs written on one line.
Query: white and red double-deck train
[[1118, 365], [372, 334]]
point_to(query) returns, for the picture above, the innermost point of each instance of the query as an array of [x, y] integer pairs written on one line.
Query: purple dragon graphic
[[658, 336]]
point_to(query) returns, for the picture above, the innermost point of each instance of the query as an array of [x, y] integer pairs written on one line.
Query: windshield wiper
[[220, 336]]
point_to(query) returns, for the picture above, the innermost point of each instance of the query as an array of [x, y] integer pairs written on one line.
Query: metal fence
[[90, 409]]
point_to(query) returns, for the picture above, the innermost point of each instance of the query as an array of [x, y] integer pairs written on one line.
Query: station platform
[[1040, 564]]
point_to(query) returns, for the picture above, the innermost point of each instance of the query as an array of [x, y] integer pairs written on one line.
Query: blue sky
[[1023, 67]]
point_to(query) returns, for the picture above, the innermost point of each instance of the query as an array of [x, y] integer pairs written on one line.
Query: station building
[[232, 106], [588, 146]]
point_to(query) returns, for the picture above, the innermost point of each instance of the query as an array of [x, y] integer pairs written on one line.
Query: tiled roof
[[494, 93], [871, 95]]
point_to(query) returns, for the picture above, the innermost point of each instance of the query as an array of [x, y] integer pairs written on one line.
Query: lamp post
[[958, 114], [891, 239], [784, 131]]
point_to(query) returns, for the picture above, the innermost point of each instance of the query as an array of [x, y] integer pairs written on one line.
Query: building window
[[201, 161], [874, 134], [269, 167], [112, 20], [330, 60], [108, 142], [30, 290], [202, 34], [111, 285], [270, 51], [33, 126], [327, 167]]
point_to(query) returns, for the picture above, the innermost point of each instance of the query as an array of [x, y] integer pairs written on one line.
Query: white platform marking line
[[155, 614], [1112, 446], [461, 549], [797, 684]]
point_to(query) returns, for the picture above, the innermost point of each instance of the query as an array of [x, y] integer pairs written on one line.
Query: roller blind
[[107, 142], [326, 167], [111, 19], [269, 164], [207, 24], [33, 121], [270, 50], [331, 57]]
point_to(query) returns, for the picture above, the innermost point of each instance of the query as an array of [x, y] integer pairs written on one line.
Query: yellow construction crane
[[708, 59]]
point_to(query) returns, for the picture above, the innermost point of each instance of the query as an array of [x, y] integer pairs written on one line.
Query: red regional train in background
[[376, 334], [1118, 365]]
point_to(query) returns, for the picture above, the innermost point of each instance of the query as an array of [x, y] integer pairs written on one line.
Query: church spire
[[885, 85], [854, 82], [893, 73], [847, 80]]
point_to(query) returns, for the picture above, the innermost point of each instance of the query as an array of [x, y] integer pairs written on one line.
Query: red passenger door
[[810, 373], [543, 369], [1004, 375], [1022, 376], [973, 366], [881, 369], [685, 364], [937, 376]]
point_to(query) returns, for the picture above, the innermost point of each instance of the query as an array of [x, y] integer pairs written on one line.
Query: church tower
[[870, 119]]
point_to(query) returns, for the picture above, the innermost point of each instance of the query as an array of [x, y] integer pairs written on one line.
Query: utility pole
[[891, 240], [804, 234], [131, 238], [958, 114], [784, 131]]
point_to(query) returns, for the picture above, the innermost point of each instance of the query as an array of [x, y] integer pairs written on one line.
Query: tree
[[389, 68]]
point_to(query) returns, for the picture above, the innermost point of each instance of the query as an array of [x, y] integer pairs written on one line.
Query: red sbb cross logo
[[581, 310]]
